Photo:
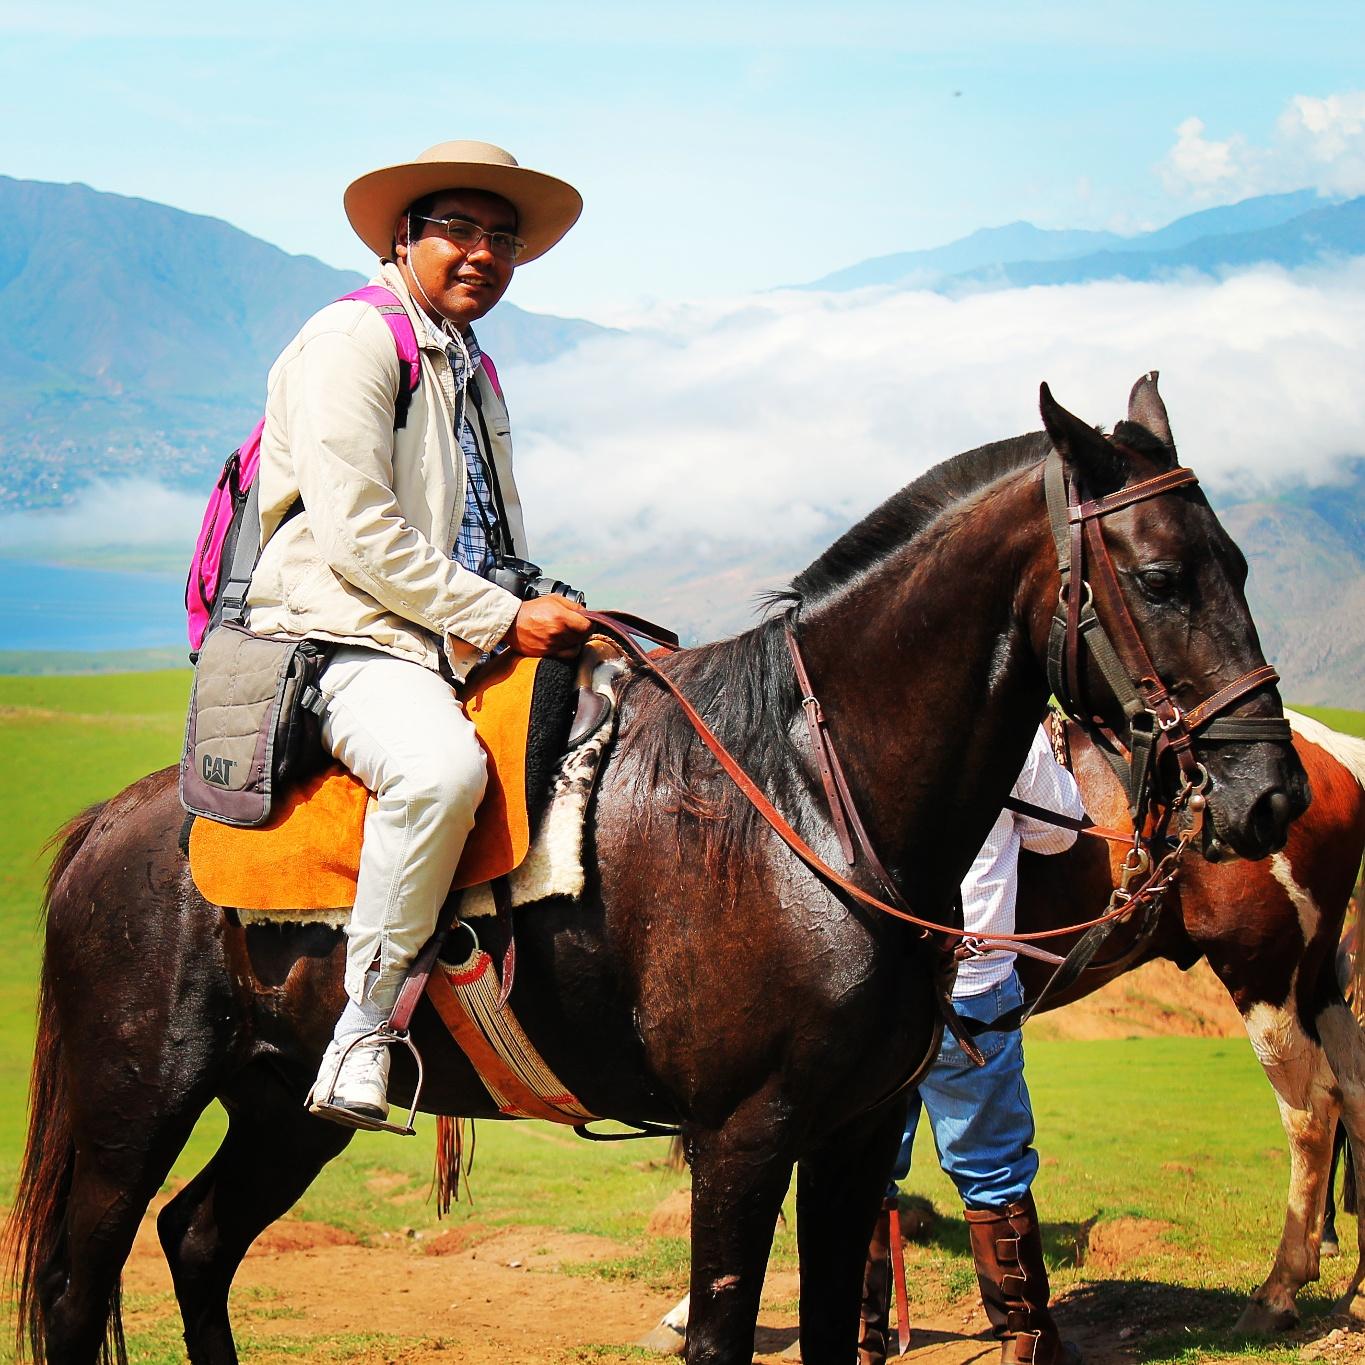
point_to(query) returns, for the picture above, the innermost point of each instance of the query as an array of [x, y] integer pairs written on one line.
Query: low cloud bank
[[785, 417], [121, 514], [726, 432]]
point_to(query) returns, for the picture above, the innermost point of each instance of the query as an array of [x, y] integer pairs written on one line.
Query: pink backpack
[[226, 517]]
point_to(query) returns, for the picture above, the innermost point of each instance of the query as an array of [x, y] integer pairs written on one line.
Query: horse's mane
[[909, 513], [744, 686]]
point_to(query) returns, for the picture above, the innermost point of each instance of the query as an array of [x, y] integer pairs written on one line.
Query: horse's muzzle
[[1252, 819]]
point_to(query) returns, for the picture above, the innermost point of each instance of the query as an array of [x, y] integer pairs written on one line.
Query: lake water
[[57, 607]]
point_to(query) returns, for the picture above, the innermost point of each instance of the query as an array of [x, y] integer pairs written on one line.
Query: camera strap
[[497, 534], [491, 535]]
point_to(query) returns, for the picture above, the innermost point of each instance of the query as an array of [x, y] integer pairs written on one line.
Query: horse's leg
[[1305, 1090], [839, 1192], [1344, 1043], [740, 1173], [272, 1152], [132, 1087], [121, 1159]]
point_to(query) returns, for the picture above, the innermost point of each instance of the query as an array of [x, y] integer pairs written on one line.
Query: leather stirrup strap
[[415, 983], [501, 888]]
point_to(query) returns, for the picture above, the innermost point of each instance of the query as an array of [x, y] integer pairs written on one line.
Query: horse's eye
[[1157, 582]]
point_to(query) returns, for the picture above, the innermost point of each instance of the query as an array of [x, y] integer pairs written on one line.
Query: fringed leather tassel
[[454, 1158]]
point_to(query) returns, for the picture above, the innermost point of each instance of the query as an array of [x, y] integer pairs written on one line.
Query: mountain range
[[134, 339], [1290, 230]]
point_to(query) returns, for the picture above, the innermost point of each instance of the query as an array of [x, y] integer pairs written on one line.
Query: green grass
[[1180, 1130], [50, 663]]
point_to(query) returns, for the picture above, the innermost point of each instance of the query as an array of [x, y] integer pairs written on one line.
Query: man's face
[[461, 284]]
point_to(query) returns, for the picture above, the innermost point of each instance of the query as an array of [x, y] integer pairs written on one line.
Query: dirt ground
[[1156, 1001], [474, 1295], [480, 1296]]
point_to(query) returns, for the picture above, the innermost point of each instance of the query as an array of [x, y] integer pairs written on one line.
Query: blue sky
[[720, 149]]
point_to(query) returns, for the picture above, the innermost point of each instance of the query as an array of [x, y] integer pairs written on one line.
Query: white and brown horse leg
[[1344, 1043], [1305, 1089], [668, 1337]]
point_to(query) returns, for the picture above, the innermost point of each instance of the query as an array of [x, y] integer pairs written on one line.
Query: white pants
[[399, 728]]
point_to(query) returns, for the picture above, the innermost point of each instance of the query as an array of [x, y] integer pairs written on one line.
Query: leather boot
[[874, 1330], [1007, 1247]]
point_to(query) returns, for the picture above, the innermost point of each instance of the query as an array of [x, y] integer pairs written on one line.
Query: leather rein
[[1157, 725]]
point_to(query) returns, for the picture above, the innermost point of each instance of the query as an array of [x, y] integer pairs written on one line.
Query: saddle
[[527, 713]]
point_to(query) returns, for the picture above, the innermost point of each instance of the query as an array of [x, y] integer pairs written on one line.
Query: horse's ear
[[1146, 409], [1099, 466]]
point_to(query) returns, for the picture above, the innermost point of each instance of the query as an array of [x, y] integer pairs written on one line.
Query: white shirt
[[990, 887]]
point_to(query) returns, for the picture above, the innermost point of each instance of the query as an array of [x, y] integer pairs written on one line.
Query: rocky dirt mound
[[1156, 1001]]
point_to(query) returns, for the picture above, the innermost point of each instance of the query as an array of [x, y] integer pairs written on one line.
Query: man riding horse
[[403, 518]]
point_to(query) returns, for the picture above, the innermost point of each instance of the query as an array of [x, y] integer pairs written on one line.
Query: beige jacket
[[368, 559]]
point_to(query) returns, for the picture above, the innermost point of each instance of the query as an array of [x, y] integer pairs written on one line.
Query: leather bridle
[[1156, 723]]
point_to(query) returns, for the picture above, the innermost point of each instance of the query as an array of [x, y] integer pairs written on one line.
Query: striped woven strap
[[516, 1076]]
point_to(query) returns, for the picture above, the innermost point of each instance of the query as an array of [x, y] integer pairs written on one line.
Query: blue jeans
[[980, 1115]]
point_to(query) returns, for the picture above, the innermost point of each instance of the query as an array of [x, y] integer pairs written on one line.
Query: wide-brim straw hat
[[546, 207]]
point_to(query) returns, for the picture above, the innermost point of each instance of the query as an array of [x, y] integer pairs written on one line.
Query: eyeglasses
[[467, 236]]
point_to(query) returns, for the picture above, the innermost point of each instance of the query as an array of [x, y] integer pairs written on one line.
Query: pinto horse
[[655, 996], [1269, 931]]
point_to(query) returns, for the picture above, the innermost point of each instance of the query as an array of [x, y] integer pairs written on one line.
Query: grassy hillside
[[1182, 1131]]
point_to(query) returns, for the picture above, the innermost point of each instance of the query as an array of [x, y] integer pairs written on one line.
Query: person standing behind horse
[[401, 518], [980, 1116]]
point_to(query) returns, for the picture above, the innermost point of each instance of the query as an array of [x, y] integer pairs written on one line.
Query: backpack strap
[[231, 603], [492, 372], [385, 302], [241, 545]]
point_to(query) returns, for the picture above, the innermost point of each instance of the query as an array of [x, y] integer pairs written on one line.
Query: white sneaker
[[352, 1088]]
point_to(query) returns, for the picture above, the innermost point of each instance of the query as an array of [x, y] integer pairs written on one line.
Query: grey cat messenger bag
[[255, 715]]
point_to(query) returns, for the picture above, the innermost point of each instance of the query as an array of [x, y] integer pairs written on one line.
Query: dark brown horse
[[925, 629]]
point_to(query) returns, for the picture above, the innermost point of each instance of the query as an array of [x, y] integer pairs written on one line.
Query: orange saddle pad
[[308, 856]]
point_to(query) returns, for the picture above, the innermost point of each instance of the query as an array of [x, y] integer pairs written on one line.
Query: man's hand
[[548, 626]]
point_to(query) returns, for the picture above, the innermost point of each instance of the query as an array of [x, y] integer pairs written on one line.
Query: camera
[[523, 579]]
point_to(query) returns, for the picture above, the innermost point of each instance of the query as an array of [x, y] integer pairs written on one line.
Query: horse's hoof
[[1259, 1319], [1352, 1305], [1332, 1248], [665, 1339]]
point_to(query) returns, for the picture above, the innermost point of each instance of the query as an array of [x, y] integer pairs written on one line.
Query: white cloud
[[1328, 137], [1205, 168], [130, 513], [1318, 143]]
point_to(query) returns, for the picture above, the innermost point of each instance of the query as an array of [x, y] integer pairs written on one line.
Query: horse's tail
[[37, 1223]]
